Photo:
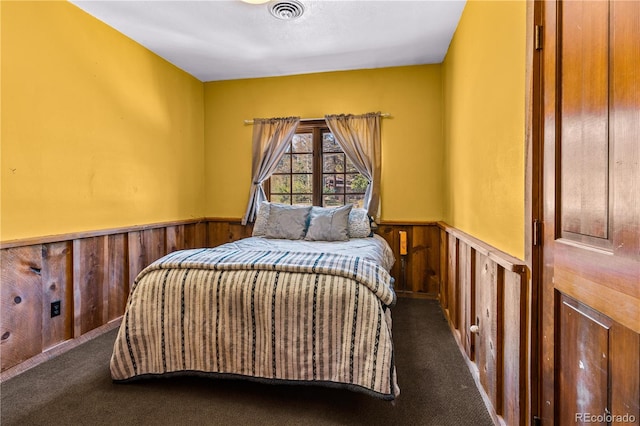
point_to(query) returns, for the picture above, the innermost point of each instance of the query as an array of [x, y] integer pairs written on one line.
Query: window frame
[[317, 128]]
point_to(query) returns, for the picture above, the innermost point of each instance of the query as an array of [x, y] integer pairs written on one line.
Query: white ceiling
[[229, 39]]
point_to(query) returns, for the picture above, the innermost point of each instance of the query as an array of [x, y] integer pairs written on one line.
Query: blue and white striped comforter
[[281, 316]]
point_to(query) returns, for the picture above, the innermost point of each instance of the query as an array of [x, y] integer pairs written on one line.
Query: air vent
[[286, 9]]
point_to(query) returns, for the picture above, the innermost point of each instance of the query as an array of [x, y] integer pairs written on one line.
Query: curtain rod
[[386, 114]]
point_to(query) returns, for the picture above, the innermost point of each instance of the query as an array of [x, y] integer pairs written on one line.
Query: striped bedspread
[[277, 316]]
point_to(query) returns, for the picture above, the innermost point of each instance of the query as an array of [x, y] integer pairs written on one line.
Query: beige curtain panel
[[359, 138], [271, 137]]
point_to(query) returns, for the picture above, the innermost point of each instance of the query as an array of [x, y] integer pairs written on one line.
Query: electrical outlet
[[55, 308]]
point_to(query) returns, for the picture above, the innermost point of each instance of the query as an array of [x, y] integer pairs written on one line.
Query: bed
[[302, 310]]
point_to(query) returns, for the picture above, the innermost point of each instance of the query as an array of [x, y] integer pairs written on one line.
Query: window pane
[[303, 199], [282, 199], [302, 142], [350, 167], [302, 163], [302, 184], [356, 183], [328, 184], [284, 165], [332, 200], [332, 163], [333, 184], [280, 184], [329, 143], [356, 199]]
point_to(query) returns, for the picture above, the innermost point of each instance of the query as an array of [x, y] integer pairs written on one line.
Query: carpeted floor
[[76, 389]]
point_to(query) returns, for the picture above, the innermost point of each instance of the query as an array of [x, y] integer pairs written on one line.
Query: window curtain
[[359, 138], [271, 139]]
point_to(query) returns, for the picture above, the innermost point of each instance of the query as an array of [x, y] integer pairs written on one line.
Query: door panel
[[583, 369], [584, 113], [590, 295], [625, 371]]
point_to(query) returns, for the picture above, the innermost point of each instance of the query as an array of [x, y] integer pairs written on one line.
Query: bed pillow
[[329, 224], [359, 224], [287, 222], [262, 216]]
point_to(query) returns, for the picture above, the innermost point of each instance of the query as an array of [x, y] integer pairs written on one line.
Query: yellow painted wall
[[97, 131], [412, 140], [484, 89]]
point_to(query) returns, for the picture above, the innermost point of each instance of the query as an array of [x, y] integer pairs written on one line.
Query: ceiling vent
[[286, 9]]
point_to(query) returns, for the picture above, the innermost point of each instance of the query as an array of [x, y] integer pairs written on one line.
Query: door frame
[[534, 213]]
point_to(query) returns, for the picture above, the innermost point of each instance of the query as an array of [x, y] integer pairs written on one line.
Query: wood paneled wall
[[486, 297], [90, 274], [418, 272], [222, 230]]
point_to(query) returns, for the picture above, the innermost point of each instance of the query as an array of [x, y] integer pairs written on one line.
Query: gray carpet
[[76, 389]]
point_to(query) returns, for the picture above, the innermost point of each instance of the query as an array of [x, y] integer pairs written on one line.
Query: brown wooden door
[[590, 305]]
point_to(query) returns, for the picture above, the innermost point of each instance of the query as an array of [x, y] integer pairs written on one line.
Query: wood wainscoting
[[90, 274], [417, 273], [486, 298]]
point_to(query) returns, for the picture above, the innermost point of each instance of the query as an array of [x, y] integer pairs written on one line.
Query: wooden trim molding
[[407, 222], [89, 234], [505, 260], [234, 220]]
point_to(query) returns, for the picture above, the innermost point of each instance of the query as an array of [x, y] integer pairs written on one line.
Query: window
[[315, 171]]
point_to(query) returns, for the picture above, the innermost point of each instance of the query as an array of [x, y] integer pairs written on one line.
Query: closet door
[[590, 342]]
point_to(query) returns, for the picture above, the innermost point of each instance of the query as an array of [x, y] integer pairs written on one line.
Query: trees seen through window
[[315, 171]]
